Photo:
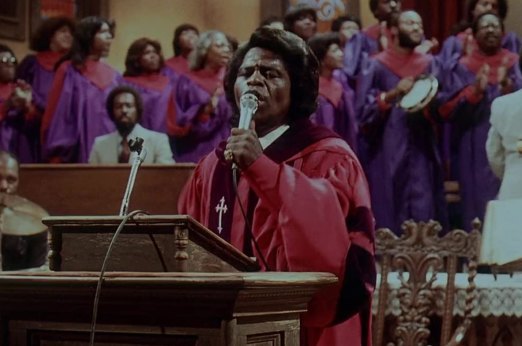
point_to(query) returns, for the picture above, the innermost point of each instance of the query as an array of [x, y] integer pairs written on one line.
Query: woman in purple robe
[[472, 82], [75, 114], [335, 108], [143, 64], [51, 41], [185, 38], [19, 117], [202, 112], [463, 43]]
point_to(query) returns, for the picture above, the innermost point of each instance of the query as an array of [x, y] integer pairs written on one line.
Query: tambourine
[[422, 92]]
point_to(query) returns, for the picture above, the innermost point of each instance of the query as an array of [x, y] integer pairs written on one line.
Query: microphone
[[247, 108], [138, 156]]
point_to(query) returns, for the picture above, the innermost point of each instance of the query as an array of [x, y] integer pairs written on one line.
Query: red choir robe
[[308, 202]]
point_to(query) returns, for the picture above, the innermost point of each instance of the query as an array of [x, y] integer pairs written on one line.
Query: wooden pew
[[80, 189]]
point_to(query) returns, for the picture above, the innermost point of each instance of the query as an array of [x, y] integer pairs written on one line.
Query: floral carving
[[418, 255]]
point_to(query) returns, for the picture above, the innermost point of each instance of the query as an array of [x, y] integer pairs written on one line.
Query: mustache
[[254, 92]]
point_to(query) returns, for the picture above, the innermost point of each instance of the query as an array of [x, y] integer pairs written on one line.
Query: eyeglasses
[[493, 26], [8, 60]]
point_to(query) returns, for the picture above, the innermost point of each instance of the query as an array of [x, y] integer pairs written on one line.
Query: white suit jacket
[[106, 148], [501, 145]]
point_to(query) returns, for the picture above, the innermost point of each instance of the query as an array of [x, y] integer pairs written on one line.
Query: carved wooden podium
[[219, 305], [80, 243]]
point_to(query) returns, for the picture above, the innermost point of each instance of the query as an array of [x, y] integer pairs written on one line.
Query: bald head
[[8, 173], [408, 28]]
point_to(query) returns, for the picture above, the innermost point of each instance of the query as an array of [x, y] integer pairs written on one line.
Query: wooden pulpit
[[211, 294], [155, 243]]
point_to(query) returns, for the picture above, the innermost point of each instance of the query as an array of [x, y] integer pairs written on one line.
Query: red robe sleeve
[[316, 206]]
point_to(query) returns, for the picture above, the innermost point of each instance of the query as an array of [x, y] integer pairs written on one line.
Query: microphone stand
[[139, 154]]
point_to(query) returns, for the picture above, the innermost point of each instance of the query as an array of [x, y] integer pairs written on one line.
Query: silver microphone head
[[249, 101]]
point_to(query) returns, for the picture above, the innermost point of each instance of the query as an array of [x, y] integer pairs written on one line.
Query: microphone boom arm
[[136, 146]]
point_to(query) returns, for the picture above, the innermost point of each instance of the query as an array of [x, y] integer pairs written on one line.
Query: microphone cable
[[102, 271], [247, 222]]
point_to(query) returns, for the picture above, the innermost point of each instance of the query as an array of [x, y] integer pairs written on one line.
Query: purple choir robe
[[38, 71], [19, 130], [362, 45], [202, 132], [76, 114], [335, 110], [398, 150], [453, 45], [468, 115], [157, 94]]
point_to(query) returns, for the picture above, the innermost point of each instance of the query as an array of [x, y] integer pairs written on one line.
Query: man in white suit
[[124, 106], [504, 144]]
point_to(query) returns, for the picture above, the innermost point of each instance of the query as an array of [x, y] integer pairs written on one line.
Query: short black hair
[[134, 53], [475, 24], [122, 89], [319, 43], [177, 33], [6, 48], [41, 38], [502, 10], [294, 13], [271, 19], [338, 22], [301, 64], [375, 3]]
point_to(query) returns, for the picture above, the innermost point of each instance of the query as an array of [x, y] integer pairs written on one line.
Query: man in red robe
[[303, 192]]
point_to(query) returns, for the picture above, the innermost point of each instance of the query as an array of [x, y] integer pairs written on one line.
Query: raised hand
[[505, 83], [481, 80], [401, 89], [383, 37], [243, 146], [427, 46], [22, 95], [468, 44]]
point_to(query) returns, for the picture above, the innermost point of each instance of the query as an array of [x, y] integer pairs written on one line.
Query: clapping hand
[[22, 95], [427, 46], [506, 84], [383, 37], [481, 80]]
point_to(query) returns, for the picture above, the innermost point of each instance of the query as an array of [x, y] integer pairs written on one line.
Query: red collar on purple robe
[[331, 89], [5, 90], [48, 59], [374, 31], [99, 73], [178, 64], [207, 79], [154, 81], [476, 60], [404, 65]]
